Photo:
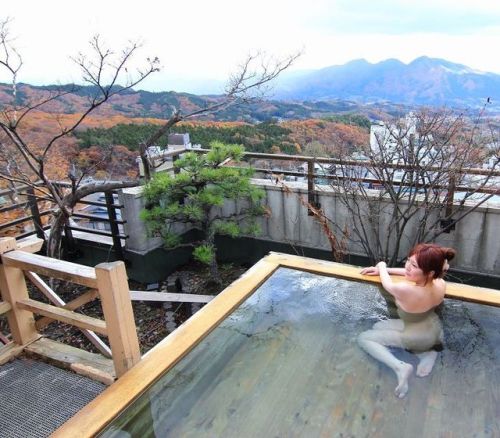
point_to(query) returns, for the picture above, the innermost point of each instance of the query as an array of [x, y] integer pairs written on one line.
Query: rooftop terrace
[[469, 356]]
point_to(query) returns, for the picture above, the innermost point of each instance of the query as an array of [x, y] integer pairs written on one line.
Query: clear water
[[286, 363]]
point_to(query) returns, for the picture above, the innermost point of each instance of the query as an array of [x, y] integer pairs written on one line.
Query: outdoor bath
[[276, 355]]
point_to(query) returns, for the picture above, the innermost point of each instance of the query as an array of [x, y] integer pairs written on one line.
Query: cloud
[[405, 17], [200, 41]]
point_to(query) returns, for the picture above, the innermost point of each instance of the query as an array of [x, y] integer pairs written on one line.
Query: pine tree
[[196, 195]]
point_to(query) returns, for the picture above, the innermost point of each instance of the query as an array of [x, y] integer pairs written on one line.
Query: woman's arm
[[373, 270], [399, 290]]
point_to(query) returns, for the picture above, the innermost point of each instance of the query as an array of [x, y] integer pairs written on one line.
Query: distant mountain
[[425, 81], [388, 87], [131, 103]]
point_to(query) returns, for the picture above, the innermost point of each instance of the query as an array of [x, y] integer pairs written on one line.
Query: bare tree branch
[[25, 163], [402, 195]]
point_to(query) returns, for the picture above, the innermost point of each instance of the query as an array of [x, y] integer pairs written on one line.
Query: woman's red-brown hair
[[431, 257]]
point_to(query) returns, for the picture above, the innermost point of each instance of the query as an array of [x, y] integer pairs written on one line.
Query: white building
[[162, 159]]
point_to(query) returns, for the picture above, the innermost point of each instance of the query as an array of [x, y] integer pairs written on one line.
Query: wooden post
[[117, 308], [115, 232], [35, 212], [13, 289], [311, 193]]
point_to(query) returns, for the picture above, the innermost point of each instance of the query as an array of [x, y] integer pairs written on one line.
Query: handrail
[[29, 203], [63, 315], [108, 279], [55, 268], [451, 188]]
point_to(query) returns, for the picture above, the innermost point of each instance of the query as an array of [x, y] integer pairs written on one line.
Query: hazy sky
[[201, 40]]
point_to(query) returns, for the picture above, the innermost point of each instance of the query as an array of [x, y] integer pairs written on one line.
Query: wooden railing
[[107, 281], [312, 176], [30, 210]]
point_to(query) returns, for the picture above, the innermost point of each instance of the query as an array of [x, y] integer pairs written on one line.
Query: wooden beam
[[7, 244], [85, 298], [44, 288], [119, 316], [55, 268], [456, 291], [321, 267], [9, 352], [30, 245], [63, 315], [82, 362], [137, 295], [4, 307], [481, 295]]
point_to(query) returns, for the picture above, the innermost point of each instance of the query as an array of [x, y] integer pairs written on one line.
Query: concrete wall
[[475, 237]]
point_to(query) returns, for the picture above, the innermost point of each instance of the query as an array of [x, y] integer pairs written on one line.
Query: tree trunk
[[55, 236], [214, 271]]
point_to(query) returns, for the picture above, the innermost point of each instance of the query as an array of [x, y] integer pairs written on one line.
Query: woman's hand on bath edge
[[370, 270], [375, 270]]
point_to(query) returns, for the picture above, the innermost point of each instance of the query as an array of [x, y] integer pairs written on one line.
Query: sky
[[201, 42]]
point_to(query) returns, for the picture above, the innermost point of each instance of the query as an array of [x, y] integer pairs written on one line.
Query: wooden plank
[[63, 315], [481, 295], [30, 245], [61, 269], [4, 307], [457, 291], [7, 244], [88, 296], [92, 373], [9, 352], [99, 412], [119, 316], [92, 365], [137, 295], [321, 267]]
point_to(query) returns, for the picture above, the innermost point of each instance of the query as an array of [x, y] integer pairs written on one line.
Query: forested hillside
[[106, 143], [107, 146], [318, 136]]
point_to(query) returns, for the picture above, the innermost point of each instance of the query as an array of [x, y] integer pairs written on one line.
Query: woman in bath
[[419, 329]]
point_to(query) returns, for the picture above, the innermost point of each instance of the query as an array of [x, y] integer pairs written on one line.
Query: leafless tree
[[421, 176], [25, 163], [249, 83], [108, 73]]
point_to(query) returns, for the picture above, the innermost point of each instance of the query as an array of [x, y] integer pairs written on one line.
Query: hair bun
[[449, 253]]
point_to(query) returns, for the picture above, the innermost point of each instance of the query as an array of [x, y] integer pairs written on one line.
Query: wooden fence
[[107, 281], [31, 209]]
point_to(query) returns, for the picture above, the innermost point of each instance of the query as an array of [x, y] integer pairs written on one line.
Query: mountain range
[[387, 87], [424, 81]]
